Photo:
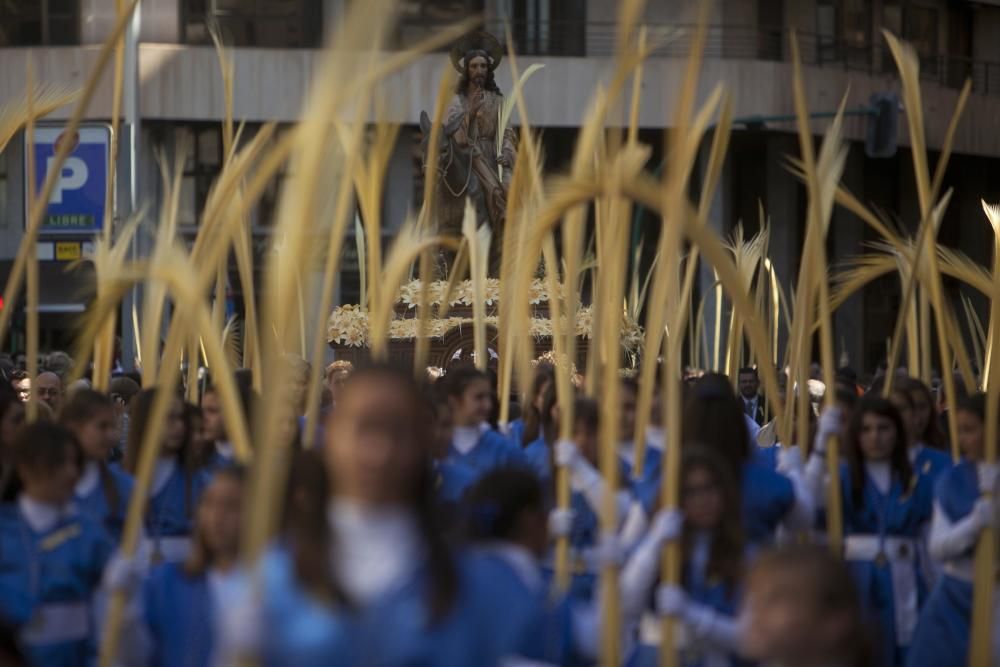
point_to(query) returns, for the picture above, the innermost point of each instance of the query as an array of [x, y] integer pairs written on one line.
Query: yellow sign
[[67, 251]]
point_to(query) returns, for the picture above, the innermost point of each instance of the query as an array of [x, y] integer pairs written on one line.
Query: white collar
[[656, 436], [164, 469], [626, 450], [41, 517], [881, 474], [465, 438], [224, 449], [88, 480], [519, 559], [374, 549]]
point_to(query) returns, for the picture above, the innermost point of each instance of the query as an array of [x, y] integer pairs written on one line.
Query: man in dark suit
[[753, 402]]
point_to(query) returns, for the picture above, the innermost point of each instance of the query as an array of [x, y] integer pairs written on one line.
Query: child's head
[[90, 415], [713, 417], [507, 505], [877, 432], [48, 460], [586, 418], [707, 489], [174, 436], [379, 439], [470, 395], [926, 428], [218, 519], [971, 417], [801, 608], [439, 407]]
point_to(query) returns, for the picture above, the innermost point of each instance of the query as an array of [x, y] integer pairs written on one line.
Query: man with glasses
[[49, 389]]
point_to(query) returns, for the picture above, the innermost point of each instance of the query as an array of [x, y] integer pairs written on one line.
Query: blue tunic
[[942, 635], [931, 463], [400, 632], [452, 479], [583, 537], [60, 566], [170, 512], [898, 514], [492, 450], [515, 432], [647, 488], [96, 506], [178, 611], [529, 623], [540, 460], [711, 593], [767, 497], [300, 629]]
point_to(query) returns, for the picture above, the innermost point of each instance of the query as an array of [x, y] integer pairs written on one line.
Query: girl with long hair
[[885, 506], [927, 443], [174, 612], [473, 443], [528, 427], [177, 480], [102, 491], [961, 513], [51, 556], [710, 533], [538, 452], [369, 578], [772, 489]]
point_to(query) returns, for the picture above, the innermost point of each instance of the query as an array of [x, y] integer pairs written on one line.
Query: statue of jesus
[[470, 164]]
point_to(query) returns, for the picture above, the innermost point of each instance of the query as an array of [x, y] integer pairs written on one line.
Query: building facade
[[276, 51]]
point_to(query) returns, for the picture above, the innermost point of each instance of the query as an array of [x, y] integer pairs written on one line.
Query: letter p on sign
[[73, 177]]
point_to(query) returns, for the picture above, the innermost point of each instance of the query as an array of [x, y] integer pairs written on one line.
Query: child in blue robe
[[103, 491], [528, 427], [885, 507], [51, 557], [177, 482], [708, 526], [474, 444], [961, 513], [173, 614], [508, 528], [452, 478], [369, 579]]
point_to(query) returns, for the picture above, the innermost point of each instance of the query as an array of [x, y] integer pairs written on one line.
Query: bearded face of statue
[[476, 72]]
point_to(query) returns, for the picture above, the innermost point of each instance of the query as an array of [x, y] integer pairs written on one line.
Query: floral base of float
[[452, 335]]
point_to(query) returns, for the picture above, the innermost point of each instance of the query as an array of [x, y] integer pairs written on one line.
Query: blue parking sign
[[77, 203]]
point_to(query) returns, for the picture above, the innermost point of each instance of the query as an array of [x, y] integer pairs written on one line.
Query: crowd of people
[[418, 531]]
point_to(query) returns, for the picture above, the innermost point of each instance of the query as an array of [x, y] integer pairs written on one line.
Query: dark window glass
[[262, 23], [39, 22]]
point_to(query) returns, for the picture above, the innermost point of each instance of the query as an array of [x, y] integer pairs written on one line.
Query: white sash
[[57, 622]]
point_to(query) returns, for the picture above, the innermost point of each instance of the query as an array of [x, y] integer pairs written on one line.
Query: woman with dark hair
[[885, 506], [926, 422], [102, 491], [710, 532], [773, 492], [172, 617], [528, 427], [473, 443], [367, 579], [964, 506], [538, 452], [177, 479], [927, 443], [51, 556]]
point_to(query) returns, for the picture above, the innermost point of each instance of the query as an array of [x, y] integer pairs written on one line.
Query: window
[[920, 28], [419, 19], [202, 146], [262, 23], [826, 31], [39, 22]]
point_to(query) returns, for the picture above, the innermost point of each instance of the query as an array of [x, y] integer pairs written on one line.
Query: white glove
[[608, 551], [790, 460], [566, 453], [667, 526], [829, 425], [671, 601], [561, 522], [988, 473], [983, 512], [123, 573]]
